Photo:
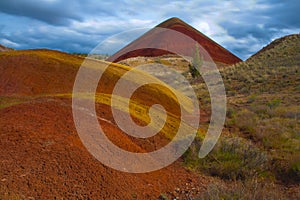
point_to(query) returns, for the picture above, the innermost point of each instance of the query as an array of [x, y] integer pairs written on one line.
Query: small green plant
[[246, 120], [252, 98], [230, 112], [197, 62], [163, 196], [274, 103], [295, 170]]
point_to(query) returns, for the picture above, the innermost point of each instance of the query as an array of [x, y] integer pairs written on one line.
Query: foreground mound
[[41, 153], [42, 157]]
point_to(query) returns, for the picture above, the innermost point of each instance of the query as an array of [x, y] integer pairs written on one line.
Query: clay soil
[[41, 155]]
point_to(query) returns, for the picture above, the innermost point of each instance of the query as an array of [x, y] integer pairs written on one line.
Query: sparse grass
[[253, 189], [268, 109], [263, 107], [273, 71], [245, 120], [232, 158], [276, 130]]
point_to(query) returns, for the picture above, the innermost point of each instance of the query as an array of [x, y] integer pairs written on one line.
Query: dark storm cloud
[[284, 13], [266, 21], [243, 27], [262, 23], [52, 12], [57, 38], [56, 12]]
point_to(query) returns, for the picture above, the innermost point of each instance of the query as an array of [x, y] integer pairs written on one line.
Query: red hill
[[165, 39], [41, 154]]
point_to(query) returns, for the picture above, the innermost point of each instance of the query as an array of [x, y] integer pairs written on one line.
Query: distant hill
[[4, 48], [286, 39], [261, 137], [165, 39], [263, 102], [275, 68]]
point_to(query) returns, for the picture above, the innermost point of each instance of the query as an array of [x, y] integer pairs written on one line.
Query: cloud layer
[[243, 27]]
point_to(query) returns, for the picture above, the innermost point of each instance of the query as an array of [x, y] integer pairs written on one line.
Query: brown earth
[[37, 72], [41, 154], [42, 157], [166, 39]]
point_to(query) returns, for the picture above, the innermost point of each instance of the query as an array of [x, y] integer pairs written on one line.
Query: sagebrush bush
[[232, 158], [287, 170], [261, 110], [246, 120], [252, 189], [295, 170], [278, 133]]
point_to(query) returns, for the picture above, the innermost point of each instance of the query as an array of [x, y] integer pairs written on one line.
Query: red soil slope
[[164, 38], [41, 154], [33, 72], [42, 157]]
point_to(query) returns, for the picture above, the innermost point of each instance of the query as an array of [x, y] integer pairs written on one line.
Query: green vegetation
[[275, 70], [277, 131], [197, 62], [262, 144], [261, 140], [233, 158], [247, 190], [163, 197]]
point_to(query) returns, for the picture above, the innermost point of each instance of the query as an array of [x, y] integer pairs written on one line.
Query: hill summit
[[164, 38]]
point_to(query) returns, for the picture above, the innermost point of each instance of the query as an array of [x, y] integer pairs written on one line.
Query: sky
[[243, 27]]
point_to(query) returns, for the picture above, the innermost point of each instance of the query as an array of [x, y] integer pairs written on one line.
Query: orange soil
[[41, 154], [42, 157], [33, 72]]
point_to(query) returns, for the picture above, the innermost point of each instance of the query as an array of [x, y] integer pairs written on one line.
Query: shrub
[[287, 170], [260, 110], [278, 133], [295, 170], [232, 158], [247, 190], [292, 112], [252, 98], [197, 63], [163, 197], [274, 103], [246, 120]]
